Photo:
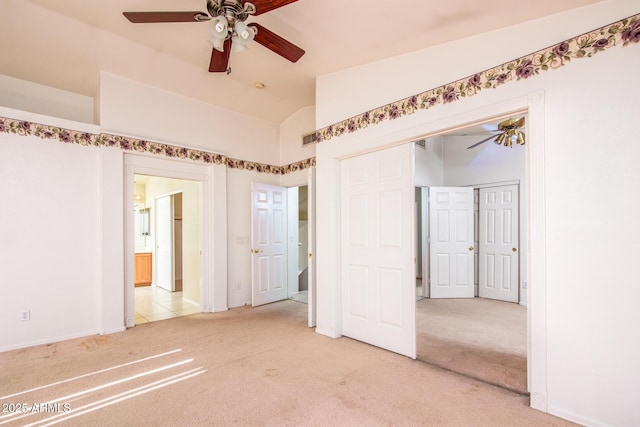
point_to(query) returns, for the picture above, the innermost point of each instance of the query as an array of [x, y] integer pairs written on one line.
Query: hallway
[[153, 303]]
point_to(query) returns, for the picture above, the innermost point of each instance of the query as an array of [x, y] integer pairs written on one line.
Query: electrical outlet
[[25, 315], [239, 286], [524, 285]]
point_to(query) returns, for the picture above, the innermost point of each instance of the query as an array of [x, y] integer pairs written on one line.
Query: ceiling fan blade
[[220, 60], [482, 142], [264, 6], [282, 47], [153, 17], [483, 132]]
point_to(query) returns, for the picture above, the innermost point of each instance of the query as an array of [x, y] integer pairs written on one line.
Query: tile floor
[[153, 303]]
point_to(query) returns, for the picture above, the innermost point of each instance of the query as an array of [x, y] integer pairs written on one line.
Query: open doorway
[[167, 234], [461, 327], [332, 267], [283, 242]]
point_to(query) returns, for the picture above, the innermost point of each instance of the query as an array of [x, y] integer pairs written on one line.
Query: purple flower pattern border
[[26, 128], [622, 33], [586, 45]]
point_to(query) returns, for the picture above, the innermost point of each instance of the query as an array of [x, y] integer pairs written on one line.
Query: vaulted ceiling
[[65, 43]]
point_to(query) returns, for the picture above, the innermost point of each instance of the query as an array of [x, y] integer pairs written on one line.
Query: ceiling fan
[[508, 132], [228, 29]]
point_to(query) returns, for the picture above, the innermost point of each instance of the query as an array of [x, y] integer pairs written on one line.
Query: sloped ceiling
[[65, 43]]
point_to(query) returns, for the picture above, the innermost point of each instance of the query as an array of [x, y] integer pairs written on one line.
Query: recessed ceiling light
[[258, 85]]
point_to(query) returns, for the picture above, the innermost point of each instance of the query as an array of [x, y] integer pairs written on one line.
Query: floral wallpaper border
[[623, 32], [26, 128], [586, 45]]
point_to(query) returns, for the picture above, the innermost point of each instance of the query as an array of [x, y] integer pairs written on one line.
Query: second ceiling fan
[[228, 29], [508, 132]]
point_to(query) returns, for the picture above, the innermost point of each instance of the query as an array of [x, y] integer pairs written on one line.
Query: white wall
[[429, 163], [592, 232], [590, 136], [113, 240], [50, 239], [27, 96], [422, 70], [302, 122], [295, 179], [488, 163], [135, 109]]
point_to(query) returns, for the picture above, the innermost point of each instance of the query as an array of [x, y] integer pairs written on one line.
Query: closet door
[[451, 248], [378, 274], [499, 231]]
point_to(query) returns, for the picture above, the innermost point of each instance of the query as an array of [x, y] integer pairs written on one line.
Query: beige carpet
[[482, 338], [246, 367]]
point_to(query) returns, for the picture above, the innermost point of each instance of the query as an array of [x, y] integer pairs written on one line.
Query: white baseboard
[[48, 340], [330, 334], [244, 304], [113, 330], [190, 302], [578, 419]]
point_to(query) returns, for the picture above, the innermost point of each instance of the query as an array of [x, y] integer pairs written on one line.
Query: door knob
[[254, 251], [310, 254], [514, 249], [470, 248]]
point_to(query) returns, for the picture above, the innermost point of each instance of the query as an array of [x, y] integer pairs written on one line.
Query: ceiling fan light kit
[[228, 28], [509, 137], [510, 133]]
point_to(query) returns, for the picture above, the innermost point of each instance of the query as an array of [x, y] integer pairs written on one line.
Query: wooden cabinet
[[142, 268]]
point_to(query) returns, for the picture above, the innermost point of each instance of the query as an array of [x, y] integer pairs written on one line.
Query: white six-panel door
[[451, 242], [268, 243], [378, 275], [498, 267]]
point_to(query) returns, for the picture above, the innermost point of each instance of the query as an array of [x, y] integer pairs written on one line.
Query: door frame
[[406, 130], [424, 237], [293, 239], [311, 224], [213, 226], [306, 177]]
